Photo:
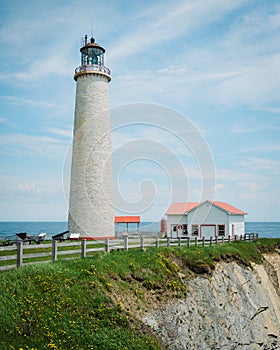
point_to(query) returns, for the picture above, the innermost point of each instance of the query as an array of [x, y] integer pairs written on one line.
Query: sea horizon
[[141, 221], [268, 229]]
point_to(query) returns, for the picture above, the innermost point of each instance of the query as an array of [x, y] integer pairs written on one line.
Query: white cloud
[[29, 187], [20, 184], [253, 190], [253, 186], [47, 36], [18, 101], [219, 186], [49, 65], [259, 84], [255, 127], [62, 132], [270, 109], [258, 164], [239, 68], [31, 197], [172, 83], [7, 122], [232, 175], [18, 145], [166, 21], [160, 140], [262, 148]]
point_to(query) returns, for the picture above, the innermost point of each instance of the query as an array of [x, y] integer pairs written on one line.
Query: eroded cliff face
[[235, 308]]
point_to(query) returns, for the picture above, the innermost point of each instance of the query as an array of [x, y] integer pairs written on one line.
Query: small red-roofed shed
[[127, 220]]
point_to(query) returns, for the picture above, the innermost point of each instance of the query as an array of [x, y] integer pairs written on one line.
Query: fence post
[[216, 239], [222, 240], [211, 238], [189, 241], [203, 241], [228, 239], [235, 237], [126, 243], [19, 253], [157, 242], [84, 248], [142, 242], [179, 241], [54, 250], [107, 245], [168, 242], [195, 241]]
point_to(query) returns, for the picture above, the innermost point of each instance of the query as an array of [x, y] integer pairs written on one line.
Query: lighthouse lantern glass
[[92, 55]]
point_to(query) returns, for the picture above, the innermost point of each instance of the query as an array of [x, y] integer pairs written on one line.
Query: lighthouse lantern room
[[92, 53]]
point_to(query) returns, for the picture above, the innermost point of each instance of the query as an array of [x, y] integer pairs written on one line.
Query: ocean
[[264, 229]]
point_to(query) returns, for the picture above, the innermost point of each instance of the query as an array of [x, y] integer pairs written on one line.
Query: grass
[[97, 302]]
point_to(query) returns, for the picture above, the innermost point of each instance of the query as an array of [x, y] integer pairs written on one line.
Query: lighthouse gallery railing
[[92, 68]]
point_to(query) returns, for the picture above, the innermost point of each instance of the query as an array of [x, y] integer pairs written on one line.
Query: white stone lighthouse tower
[[91, 212]]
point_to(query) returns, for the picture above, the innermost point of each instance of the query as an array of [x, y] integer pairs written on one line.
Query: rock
[[229, 309]]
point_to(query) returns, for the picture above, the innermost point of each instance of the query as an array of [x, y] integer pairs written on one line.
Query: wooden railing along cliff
[[22, 254]]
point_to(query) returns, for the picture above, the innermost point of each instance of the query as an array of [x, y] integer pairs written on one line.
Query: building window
[[221, 230], [194, 230], [174, 228], [185, 230]]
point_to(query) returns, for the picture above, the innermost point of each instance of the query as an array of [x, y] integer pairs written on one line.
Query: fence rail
[[82, 248]]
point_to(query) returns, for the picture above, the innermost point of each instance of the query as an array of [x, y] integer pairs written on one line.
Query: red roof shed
[[127, 219]]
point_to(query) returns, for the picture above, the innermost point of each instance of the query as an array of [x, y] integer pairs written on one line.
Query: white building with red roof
[[204, 219]]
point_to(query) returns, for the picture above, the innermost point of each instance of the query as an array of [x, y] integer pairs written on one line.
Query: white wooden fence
[[19, 251]]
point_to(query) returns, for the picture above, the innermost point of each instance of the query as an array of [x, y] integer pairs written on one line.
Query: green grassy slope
[[97, 302]]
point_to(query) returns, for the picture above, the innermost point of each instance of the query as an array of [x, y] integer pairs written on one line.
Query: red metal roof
[[229, 208], [126, 219], [183, 208]]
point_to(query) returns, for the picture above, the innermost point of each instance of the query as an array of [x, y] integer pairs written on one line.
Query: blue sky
[[216, 63]]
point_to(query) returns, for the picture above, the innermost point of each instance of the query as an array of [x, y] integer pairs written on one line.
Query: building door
[[179, 230], [173, 231], [208, 231]]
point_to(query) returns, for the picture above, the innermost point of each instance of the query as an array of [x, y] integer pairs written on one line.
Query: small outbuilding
[[204, 219], [124, 222]]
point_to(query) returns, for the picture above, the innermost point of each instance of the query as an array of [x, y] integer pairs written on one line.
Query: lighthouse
[[91, 212]]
